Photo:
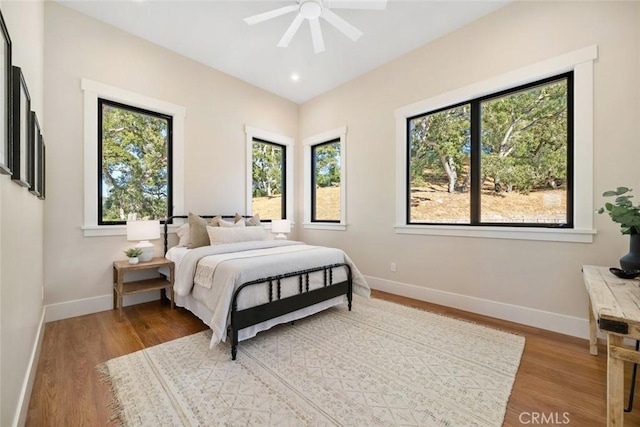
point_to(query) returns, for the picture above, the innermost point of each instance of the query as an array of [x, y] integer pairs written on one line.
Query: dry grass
[[328, 205]]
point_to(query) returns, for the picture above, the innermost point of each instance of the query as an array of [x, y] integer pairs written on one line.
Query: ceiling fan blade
[[316, 35], [271, 14], [291, 31], [349, 30], [356, 4]]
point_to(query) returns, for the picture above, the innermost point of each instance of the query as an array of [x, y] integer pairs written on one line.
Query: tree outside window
[[503, 159], [269, 180], [326, 179], [135, 163]]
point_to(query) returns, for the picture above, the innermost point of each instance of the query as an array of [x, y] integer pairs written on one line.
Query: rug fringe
[[114, 405]]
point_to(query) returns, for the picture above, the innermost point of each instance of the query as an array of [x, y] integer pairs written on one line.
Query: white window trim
[[581, 63], [94, 90], [339, 133], [252, 132]]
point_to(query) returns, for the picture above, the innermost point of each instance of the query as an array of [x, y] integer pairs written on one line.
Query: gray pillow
[[198, 230], [249, 222]]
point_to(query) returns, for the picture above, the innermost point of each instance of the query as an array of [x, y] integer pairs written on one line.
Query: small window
[[269, 184], [134, 161], [504, 159], [325, 183]]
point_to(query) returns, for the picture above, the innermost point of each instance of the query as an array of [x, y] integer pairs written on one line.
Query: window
[[134, 158], [456, 152], [143, 108], [324, 180], [504, 159], [269, 186], [269, 174]]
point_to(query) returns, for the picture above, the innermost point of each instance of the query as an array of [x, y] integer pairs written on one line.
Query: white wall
[[486, 275], [21, 232], [218, 107]]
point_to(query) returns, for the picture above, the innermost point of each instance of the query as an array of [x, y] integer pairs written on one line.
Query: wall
[[526, 281], [218, 107], [21, 233]]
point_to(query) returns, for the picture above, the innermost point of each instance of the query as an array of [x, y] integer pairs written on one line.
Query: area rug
[[380, 364]]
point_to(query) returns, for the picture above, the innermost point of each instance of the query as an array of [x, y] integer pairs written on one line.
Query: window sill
[[524, 233], [324, 226], [117, 230]]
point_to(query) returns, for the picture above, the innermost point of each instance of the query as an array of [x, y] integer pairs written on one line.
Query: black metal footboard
[[278, 306]]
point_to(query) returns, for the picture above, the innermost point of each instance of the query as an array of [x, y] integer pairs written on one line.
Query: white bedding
[[207, 277]]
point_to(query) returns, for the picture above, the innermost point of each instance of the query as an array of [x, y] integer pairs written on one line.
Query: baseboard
[[80, 307], [560, 323], [20, 417]]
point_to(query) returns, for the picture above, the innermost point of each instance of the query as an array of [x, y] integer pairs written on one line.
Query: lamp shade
[[143, 230], [280, 226]]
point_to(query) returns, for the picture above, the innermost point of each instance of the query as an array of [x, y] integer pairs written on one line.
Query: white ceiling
[[213, 32]]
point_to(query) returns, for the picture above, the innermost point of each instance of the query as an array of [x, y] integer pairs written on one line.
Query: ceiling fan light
[[311, 9]]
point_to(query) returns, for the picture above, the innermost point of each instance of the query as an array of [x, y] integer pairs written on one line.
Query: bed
[[239, 286]]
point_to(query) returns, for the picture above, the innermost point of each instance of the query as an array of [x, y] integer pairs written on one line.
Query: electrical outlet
[[393, 267]]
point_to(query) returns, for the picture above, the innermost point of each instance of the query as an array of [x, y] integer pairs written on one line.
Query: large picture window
[[504, 159], [269, 184], [134, 161]]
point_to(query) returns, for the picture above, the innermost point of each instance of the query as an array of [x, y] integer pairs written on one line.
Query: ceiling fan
[[312, 11]]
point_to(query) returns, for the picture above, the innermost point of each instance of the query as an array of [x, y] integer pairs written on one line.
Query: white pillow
[[220, 235], [184, 234], [228, 224]]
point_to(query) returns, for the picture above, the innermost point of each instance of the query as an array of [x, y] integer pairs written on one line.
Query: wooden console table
[[614, 304]]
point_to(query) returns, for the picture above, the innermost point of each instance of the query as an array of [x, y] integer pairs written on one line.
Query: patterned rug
[[380, 364]]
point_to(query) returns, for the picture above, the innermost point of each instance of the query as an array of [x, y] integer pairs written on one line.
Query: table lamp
[[280, 227], [143, 231]]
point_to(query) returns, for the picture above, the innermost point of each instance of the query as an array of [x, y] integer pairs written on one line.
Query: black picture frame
[[34, 154], [41, 180], [21, 103], [6, 75]]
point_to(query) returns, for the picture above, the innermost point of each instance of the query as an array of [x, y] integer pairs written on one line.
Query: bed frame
[[278, 306]]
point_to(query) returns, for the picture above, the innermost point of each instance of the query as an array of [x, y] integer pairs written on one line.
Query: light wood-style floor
[[558, 381]]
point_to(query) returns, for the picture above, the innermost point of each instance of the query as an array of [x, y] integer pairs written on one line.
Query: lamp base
[[147, 250], [280, 236]]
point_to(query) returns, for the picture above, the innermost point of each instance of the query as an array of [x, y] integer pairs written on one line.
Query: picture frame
[[34, 154], [41, 180], [6, 77], [21, 109]]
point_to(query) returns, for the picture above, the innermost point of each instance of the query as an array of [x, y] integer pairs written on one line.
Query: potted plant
[[133, 254], [625, 213]]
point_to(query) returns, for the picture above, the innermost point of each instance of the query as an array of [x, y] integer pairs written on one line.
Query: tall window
[[269, 184], [134, 160], [325, 182], [502, 159]]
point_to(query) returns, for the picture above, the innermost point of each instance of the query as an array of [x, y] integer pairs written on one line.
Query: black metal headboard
[[169, 220]]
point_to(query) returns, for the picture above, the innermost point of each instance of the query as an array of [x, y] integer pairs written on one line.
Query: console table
[[614, 307]]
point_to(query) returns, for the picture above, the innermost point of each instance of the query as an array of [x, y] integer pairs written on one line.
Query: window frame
[[332, 136], [253, 133], [93, 90], [169, 119], [581, 62], [283, 202], [475, 130]]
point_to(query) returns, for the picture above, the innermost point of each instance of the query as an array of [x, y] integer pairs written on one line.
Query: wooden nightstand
[[122, 288]]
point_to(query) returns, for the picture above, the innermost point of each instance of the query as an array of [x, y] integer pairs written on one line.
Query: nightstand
[[122, 288]]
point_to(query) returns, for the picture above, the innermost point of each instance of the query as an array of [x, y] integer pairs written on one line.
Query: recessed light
[[295, 77]]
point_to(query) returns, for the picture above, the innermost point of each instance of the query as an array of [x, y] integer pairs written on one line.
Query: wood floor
[[558, 382]]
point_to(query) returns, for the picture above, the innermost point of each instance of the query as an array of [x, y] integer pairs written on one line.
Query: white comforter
[[212, 273]]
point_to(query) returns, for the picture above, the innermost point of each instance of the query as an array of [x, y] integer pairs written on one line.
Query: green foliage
[[622, 210], [524, 140], [133, 252], [327, 164], [268, 169], [134, 164]]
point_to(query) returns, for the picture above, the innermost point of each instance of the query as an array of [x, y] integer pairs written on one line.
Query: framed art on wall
[[5, 100], [34, 154], [42, 175], [21, 103]]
